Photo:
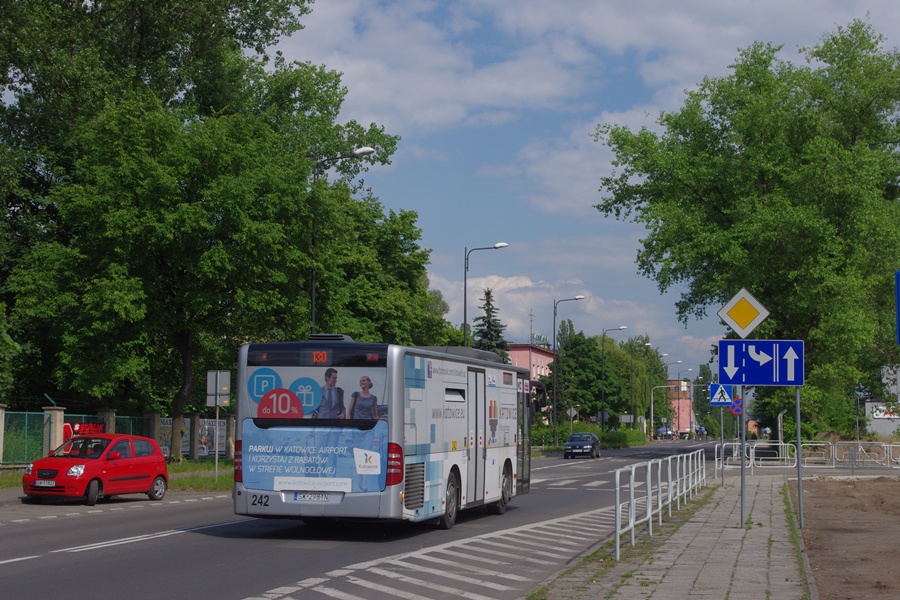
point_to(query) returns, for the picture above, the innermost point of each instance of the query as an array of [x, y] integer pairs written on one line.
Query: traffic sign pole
[[799, 461], [743, 455], [722, 439]]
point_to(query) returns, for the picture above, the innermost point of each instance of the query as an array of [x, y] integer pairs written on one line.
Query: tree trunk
[[185, 343]]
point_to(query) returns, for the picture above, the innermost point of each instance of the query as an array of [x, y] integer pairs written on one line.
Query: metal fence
[[813, 455], [133, 425], [644, 489], [25, 436]]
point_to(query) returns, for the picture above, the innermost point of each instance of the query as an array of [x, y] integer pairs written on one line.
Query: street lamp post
[[467, 252], [317, 170], [555, 366], [603, 373]]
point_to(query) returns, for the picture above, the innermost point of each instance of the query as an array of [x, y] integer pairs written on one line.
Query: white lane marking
[[12, 560], [143, 538]]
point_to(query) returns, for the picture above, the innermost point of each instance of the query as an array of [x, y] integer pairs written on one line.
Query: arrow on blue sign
[[761, 362]]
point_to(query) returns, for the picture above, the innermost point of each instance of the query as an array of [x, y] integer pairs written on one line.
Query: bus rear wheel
[[451, 502], [499, 507]]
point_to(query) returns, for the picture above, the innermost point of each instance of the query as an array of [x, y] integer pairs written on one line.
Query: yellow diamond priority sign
[[743, 313]]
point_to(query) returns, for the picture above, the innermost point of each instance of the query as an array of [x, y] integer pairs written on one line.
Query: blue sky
[[496, 102]]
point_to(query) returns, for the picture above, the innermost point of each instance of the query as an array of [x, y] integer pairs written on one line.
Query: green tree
[[436, 330], [615, 367], [8, 349], [159, 194], [640, 357], [781, 179], [488, 332], [581, 375], [559, 370], [702, 410]]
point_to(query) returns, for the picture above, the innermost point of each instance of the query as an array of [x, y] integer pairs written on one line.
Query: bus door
[[475, 406], [526, 416]]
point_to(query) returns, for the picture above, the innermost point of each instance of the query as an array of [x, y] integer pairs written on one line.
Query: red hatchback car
[[98, 466]]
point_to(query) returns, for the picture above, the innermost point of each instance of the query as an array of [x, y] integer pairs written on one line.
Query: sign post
[[743, 314], [763, 363], [218, 390]]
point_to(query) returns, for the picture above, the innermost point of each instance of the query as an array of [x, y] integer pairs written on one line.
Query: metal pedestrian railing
[[645, 489], [813, 455]]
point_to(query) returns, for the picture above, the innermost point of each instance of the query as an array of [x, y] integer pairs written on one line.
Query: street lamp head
[[579, 297], [621, 327], [363, 151], [317, 170], [467, 251]]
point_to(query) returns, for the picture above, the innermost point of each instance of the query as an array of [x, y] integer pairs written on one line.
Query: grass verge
[[796, 541]]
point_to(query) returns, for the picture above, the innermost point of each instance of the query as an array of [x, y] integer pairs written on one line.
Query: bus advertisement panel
[[320, 459]]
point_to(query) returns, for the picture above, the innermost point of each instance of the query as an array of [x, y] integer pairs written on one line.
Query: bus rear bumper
[[280, 504]]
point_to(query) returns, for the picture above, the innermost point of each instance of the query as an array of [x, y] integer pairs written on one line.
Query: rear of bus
[[299, 451]]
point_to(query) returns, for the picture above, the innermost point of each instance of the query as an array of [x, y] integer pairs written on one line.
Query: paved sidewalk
[[710, 557]]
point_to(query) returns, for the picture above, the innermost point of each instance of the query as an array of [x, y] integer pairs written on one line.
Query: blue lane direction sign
[[761, 362], [720, 395]]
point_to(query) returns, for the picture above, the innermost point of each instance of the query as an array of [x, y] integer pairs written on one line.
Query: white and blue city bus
[[332, 428]]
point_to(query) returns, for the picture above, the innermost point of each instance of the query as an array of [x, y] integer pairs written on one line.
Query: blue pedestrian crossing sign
[[719, 395]]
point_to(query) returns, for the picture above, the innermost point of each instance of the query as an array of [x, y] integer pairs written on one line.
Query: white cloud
[[497, 102]]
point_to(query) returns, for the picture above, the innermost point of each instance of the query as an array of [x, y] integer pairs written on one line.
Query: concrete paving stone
[[712, 556]]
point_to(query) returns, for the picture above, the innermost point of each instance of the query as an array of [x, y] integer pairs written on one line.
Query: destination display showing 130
[[310, 355]]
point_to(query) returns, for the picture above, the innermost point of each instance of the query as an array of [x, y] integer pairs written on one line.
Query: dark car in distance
[[97, 466], [582, 444]]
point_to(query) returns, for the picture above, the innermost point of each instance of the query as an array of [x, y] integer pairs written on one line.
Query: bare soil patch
[[851, 533]]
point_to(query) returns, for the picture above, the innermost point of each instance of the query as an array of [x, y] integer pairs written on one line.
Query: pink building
[[533, 357], [681, 411]]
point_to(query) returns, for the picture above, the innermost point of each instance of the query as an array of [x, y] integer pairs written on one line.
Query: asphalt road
[[193, 546]]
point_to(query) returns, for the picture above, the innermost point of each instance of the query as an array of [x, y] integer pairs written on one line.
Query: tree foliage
[[488, 331], [161, 179], [619, 376], [781, 179], [8, 350]]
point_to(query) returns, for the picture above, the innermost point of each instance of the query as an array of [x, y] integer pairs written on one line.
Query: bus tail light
[[238, 461], [394, 464]]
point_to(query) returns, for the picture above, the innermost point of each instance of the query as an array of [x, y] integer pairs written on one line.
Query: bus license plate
[[44, 483], [309, 497]]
